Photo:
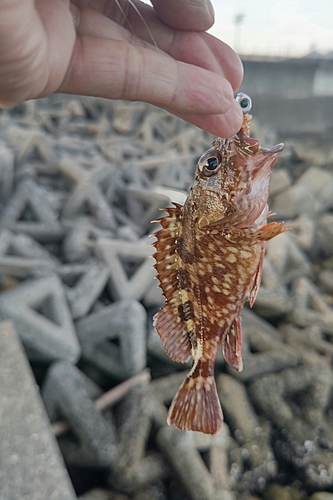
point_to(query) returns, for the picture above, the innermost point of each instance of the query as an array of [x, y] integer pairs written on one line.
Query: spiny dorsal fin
[[167, 322], [167, 260]]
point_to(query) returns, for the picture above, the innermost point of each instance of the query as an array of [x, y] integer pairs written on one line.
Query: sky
[[279, 28]]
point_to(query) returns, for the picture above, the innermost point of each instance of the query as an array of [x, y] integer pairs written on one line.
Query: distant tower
[[238, 21]]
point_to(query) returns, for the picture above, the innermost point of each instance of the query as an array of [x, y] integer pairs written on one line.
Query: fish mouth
[[275, 149]]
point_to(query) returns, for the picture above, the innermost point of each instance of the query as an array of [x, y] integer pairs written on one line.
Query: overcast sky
[[271, 27]]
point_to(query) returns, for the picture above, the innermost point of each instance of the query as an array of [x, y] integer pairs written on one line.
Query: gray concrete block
[[89, 191], [31, 466], [89, 282], [40, 314], [320, 183], [65, 394], [6, 171], [280, 181], [288, 259], [296, 200], [324, 235], [273, 298], [21, 255], [186, 460], [122, 257], [133, 467], [125, 321], [29, 211], [310, 307], [263, 349]]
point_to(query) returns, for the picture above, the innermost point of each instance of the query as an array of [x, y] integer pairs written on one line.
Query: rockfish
[[209, 256]]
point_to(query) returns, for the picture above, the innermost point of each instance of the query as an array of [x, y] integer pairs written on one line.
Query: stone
[[125, 118], [103, 401], [298, 409], [42, 319], [310, 338], [269, 393], [185, 459], [131, 271], [132, 468], [88, 193], [6, 171], [125, 323], [153, 297], [102, 494], [143, 206], [326, 281], [258, 459], [303, 231], [236, 404], [288, 259], [29, 211], [31, 464], [297, 200], [65, 394], [21, 256], [276, 492], [309, 152], [310, 307], [320, 184], [80, 240], [272, 299], [31, 142], [324, 236], [264, 350], [280, 181], [89, 282], [151, 492], [322, 495]]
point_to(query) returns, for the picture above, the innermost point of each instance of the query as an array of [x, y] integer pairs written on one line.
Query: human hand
[[87, 47]]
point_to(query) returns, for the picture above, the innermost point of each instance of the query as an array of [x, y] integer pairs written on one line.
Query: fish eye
[[209, 163]]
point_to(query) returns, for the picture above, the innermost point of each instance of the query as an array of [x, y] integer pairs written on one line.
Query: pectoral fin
[[232, 345], [270, 230]]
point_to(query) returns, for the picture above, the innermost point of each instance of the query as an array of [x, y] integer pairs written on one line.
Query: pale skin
[[87, 47]]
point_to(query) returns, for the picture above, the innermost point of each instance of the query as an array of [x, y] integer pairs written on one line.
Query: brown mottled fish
[[209, 256]]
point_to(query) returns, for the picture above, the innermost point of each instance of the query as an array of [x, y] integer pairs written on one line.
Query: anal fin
[[232, 345], [174, 337], [196, 406]]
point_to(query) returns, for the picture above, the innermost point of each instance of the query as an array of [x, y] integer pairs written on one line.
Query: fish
[[209, 256]]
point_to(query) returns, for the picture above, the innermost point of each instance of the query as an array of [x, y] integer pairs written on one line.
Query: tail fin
[[196, 406]]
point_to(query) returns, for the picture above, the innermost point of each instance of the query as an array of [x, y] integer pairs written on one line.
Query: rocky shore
[[80, 181]]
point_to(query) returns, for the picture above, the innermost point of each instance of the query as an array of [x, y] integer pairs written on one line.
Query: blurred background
[[287, 52]]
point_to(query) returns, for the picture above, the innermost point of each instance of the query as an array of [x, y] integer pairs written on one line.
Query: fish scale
[[209, 256]]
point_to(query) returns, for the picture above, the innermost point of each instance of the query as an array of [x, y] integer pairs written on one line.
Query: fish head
[[232, 180]]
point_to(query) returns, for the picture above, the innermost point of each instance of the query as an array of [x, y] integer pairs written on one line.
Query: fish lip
[[275, 149]]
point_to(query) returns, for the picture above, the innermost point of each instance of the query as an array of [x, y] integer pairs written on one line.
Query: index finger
[[187, 15]]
